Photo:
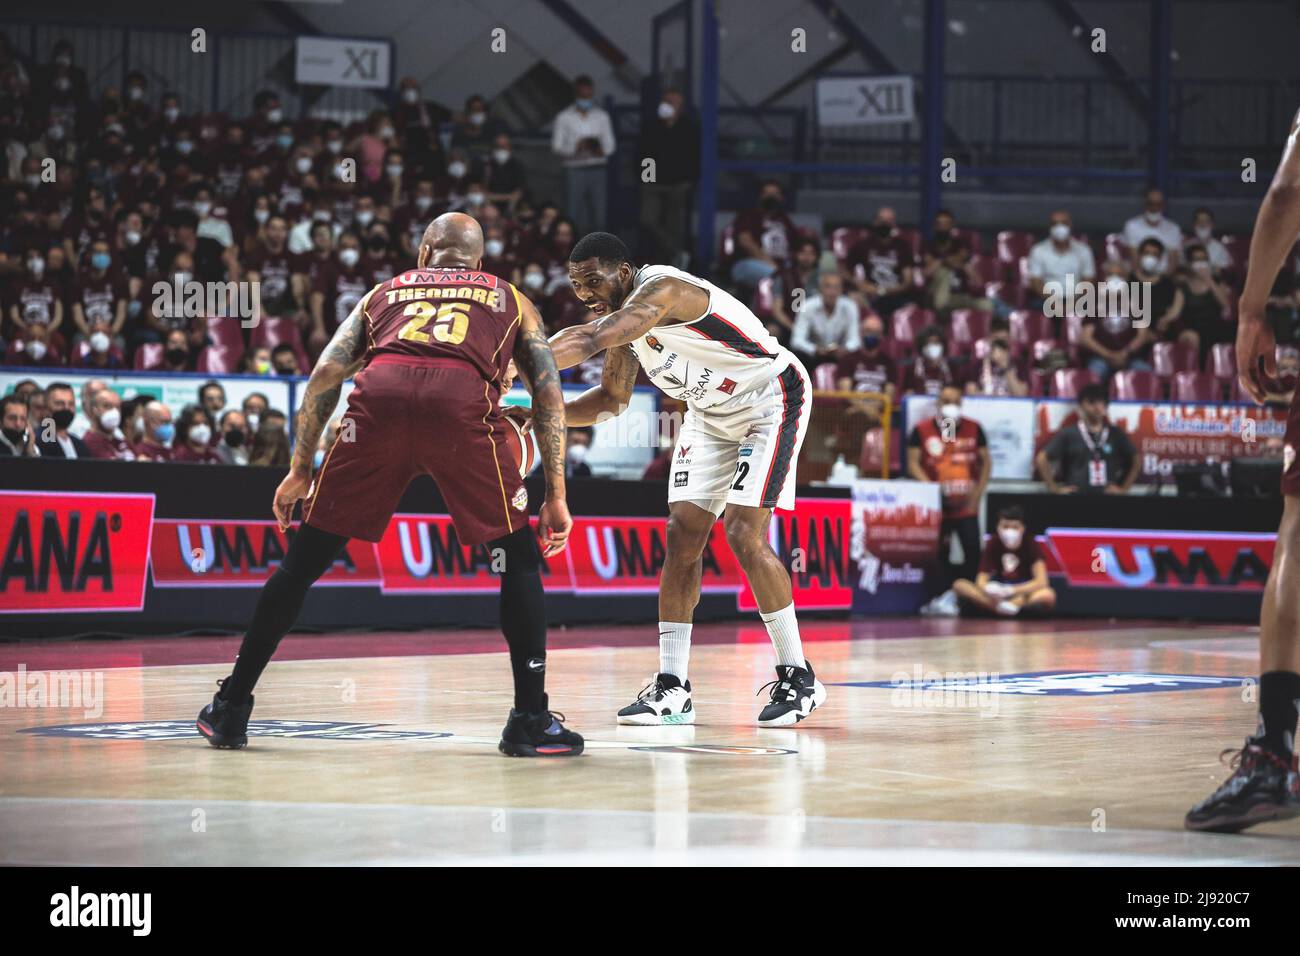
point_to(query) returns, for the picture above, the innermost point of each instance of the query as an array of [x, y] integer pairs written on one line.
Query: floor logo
[[184, 729], [716, 750], [1065, 683]]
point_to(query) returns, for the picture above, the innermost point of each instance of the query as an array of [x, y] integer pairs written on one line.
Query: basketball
[[523, 447]]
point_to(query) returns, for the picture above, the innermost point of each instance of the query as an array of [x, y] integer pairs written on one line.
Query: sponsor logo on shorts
[[1064, 683], [680, 478], [520, 500], [746, 451], [683, 451]]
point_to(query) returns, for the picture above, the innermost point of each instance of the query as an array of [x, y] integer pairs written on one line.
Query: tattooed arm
[[536, 366], [660, 300], [610, 398]]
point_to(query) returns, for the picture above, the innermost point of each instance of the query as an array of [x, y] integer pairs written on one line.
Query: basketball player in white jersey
[[748, 401]]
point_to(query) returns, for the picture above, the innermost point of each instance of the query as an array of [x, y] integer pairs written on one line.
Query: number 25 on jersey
[[450, 322]]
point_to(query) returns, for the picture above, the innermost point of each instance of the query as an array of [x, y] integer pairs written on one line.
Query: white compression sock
[[783, 628], [674, 648]]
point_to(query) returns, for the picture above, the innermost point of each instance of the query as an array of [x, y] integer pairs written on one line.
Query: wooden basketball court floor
[[381, 749]]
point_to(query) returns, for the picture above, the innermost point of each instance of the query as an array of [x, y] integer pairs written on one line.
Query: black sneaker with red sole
[[225, 724], [542, 734], [1264, 786]]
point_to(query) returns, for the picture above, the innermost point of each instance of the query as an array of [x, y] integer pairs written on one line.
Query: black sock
[[523, 617], [1279, 693], [310, 555]]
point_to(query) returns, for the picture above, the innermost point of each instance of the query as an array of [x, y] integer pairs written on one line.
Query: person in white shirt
[[828, 325], [583, 138], [1057, 257], [1203, 235], [1152, 224], [81, 424]]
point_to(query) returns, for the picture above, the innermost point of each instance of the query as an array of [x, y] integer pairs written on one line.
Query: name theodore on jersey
[[103, 909]]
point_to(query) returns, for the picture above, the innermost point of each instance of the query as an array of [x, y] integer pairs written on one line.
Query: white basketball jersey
[[725, 352]]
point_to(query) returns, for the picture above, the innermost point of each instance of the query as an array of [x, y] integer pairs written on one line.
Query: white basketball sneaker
[[796, 693], [665, 700]]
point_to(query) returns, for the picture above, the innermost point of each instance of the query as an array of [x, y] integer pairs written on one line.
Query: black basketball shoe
[[538, 735], [225, 724], [1264, 786], [796, 693], [665, 700]]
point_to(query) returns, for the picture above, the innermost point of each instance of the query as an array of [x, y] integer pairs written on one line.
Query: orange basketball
[[522, 445]]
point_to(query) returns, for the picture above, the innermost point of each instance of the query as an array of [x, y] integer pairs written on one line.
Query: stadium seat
[[987, 268], [980, 349], [966, 326], [274, 331], [1117, 250], [1238, 394], [972, 237], [907, 322], [1195, 387], [148, 356], [1038, 351], [872, 458], [914, 239], [217, 361], [1011, 293], [227, 334], [764, 297], [1067, 382], [1029, 326], [1169, 358], [1073, 329], [1223, 361], [824, 377], [1238, 247], [843, 239], [1013, 244], [1136, 385]]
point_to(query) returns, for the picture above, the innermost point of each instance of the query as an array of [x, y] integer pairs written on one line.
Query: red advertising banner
[[814, 542], [1164, 560], [72, 552], [201, 553]]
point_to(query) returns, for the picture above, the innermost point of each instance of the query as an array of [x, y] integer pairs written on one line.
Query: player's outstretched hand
[[291, 491], [521, 414], [1256, 353], [553, 526]]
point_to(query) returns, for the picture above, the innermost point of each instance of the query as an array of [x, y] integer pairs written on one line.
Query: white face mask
[[577, 454], [1060, 231], [36, 350], [202, 208], [456, 169], [933, 351], [950, 411], [200, 434], [666, 111], [335, 146], [349, 257], [275, 115], [423, 202], [1150, 264], [1010, 537], [321, 215], [37, 266], [99, 341], [261, 215], [1154, 217], [410, 95], [110, 419], [394, 170], [172, 114], [534, 280], [1203, 232], [1115, 283], [132, 237], [365, 217], [302, 164], [501, 156], [475, 199], [494, 247], [1201, 266], [252, 419]]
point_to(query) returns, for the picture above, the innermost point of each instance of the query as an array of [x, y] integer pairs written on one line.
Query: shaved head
[[453, 239]]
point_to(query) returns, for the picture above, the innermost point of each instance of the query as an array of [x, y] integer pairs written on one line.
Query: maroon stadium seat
[[148, 356], [1073, 329], [1116, 248], [980, 349], [987, 268], [1136, 385], [1195, 387], [966, 326], [1029, 326], [1238, 247], [217, 361], [972, 237], [764, 297], [872, 458], [1067, 382], [1169, 358], [824, 377], [1037, 352], [227, 334], [913, 238], [274, 331], [1013, 244], [907, 322], [1009, 292], [845, 238], [1223, 361]]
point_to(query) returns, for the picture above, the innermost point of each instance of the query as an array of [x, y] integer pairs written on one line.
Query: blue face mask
[[100, 260], [284, 141], [870, 341], [584, 103], [165, 432]]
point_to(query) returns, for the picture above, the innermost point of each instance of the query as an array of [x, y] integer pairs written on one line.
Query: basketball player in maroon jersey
[[429, 348], [1264, 784]]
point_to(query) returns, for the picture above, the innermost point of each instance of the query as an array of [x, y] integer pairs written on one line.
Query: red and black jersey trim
[[792, 388], [715, 327]]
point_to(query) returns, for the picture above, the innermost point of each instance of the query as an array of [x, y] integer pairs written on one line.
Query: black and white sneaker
[[225, 724], [1264, 786], [665, 700], [796, 693], [542, 734]]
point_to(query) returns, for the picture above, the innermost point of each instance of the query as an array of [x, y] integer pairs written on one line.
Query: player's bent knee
[[687, 536]]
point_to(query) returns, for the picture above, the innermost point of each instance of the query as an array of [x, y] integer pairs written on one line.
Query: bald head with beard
[[453, 239]]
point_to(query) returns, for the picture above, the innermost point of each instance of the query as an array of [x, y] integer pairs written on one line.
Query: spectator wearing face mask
[[1203, 235], [827, 326], [1089, 455], [672, 140], [100, 295], [1153, 224], [212, 396], [869, 369], [496, 256], [578, 446], [411, 219], [232, 449], [1012, 578], [505, 174], [53, 440], [1166, 297], [475, 130], [99, 351], [339, 287], [285, 360], [880, 266], [176, 355], [1110, 342], [930, 370], [257, 361], [534, 283], [765, 237], [254, 408], [1060, 259], [81, 423], [996, 374], [105, 439], [36, 300], [34, 350], [194, 437], [159, 433], [1206, 300], [15, 437], [952, 450], [792, 284], [583, 138], [951, 281]]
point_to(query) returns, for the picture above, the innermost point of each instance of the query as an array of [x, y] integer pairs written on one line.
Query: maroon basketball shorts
[[435, 417]]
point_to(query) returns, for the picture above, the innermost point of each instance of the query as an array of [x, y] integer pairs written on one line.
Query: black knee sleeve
[[519, 552]]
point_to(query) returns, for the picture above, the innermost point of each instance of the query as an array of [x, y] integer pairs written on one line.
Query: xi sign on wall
[[329, 62]]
